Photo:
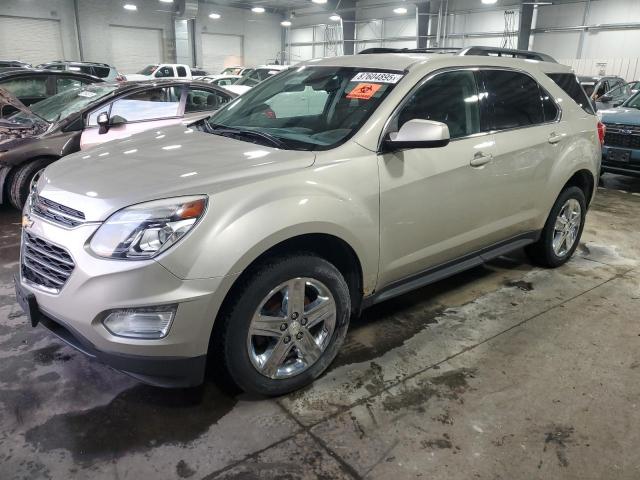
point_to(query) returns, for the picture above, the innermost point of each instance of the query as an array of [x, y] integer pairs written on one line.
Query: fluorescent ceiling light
[[166, 1], [400, 10], [214, 16], [285, 23], [489, 2], [130, 6], [257, 9], [334, 17], [319, 1]]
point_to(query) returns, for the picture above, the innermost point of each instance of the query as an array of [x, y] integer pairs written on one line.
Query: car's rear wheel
[[562, 231], [20, 179], [285, 325]]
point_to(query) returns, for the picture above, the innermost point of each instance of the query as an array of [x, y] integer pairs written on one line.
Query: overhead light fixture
[[285, 23], [335, 17], [400, 11], [537, 4], [214, 16], [320, 2], [489, 2], [166, 1], [130, 6], [257, 9]]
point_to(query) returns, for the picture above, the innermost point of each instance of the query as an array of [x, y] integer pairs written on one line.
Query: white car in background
[[255, 77], [162, 70], [220, 80], [236, 70]]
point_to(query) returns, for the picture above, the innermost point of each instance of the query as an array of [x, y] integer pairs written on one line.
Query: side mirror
[[103, 123], [418, 133], [605, 98]]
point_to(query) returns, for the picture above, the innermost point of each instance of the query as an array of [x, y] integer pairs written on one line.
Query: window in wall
[[148, 105], [512, 100], [450, 98]]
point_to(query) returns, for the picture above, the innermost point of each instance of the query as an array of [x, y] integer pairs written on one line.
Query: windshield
[[307, 108], [148, 70], [633, 102], [70, 101]]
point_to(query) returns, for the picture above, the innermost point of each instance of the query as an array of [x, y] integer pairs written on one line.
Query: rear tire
[[304, 345], [20, 179], [562, 231]]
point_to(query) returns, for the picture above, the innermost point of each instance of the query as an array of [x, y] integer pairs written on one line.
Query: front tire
[[562, 231], [18, 185], [285, 324]]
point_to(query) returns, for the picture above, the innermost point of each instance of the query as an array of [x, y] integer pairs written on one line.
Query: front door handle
[[480, 159], [554, 138]]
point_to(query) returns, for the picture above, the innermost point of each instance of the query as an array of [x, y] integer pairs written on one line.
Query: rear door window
[[182, 72], [570, 84], [199, 100], [511, 100], [152, 104], [102, 72]]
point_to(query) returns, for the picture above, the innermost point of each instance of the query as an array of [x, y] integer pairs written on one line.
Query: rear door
[[524, 119]]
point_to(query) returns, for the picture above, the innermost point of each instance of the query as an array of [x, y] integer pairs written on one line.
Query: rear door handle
[[480, 159], [554, 138]]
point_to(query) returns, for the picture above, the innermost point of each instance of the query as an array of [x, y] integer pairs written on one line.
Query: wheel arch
[[584, 180]]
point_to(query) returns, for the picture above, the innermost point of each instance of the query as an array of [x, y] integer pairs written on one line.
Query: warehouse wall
[[60, 10], [262, 33]]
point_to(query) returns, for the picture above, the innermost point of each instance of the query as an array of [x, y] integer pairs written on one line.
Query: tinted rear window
[[570, 84], [102, 72]]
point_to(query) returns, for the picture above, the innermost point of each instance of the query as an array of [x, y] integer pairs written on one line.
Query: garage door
[[30, 40], [134, 48], [220, 51]]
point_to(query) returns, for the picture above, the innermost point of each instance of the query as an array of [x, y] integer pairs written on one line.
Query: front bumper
[[97, 286], [630, 168]]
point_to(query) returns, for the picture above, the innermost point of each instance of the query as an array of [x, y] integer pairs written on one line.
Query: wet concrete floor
[[506, 371]]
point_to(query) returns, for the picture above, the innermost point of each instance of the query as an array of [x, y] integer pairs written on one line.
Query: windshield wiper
[[238, 132]]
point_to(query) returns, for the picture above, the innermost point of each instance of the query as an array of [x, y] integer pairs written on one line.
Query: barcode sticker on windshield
[[378, 77], [87, 94]]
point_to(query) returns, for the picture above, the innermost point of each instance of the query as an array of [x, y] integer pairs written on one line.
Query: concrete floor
[[504, 372]]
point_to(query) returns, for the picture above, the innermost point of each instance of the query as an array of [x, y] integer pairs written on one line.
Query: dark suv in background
[[100, 70]]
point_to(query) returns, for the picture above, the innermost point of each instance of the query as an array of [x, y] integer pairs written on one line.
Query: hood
[[15, 132], [159, 164], [239, 89], [6, 98], [627, 116]]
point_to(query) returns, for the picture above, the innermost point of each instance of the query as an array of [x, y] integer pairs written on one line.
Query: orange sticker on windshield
[[364, 91]]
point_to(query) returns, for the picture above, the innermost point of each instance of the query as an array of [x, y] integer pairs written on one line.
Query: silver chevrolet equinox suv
[[247, 241]]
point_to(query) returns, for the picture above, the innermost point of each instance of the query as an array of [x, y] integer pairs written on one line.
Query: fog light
[[146, 322]]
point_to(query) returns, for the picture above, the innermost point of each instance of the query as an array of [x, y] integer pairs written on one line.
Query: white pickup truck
[[162, 70]]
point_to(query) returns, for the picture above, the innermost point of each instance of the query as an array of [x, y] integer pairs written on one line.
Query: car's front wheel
[[285, 324]]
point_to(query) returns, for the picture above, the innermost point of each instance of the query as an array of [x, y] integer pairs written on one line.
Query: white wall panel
[[302, 35], [557, 44], [30, 40], [220, 51], [134, 48], [401, 27]]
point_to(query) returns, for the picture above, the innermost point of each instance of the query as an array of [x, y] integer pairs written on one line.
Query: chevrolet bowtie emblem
[[26, 221]]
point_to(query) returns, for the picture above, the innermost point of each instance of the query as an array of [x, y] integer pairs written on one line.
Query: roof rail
[[482, 51], [407, 50], [507, 52]]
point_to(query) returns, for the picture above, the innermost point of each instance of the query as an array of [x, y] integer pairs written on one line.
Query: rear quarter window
[[570, 84]]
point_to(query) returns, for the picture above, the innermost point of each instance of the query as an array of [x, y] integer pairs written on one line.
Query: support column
[[422, 23], [348, 14], [524, 32]]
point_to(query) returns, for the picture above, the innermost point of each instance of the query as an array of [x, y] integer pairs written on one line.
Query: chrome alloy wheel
[[291, 328], [565, 231]]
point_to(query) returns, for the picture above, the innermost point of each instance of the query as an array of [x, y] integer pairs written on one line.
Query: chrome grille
[[55, 212], [625, 136], [45, 264]]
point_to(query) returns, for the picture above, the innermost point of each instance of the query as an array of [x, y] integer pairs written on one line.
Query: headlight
[[143, 231]]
